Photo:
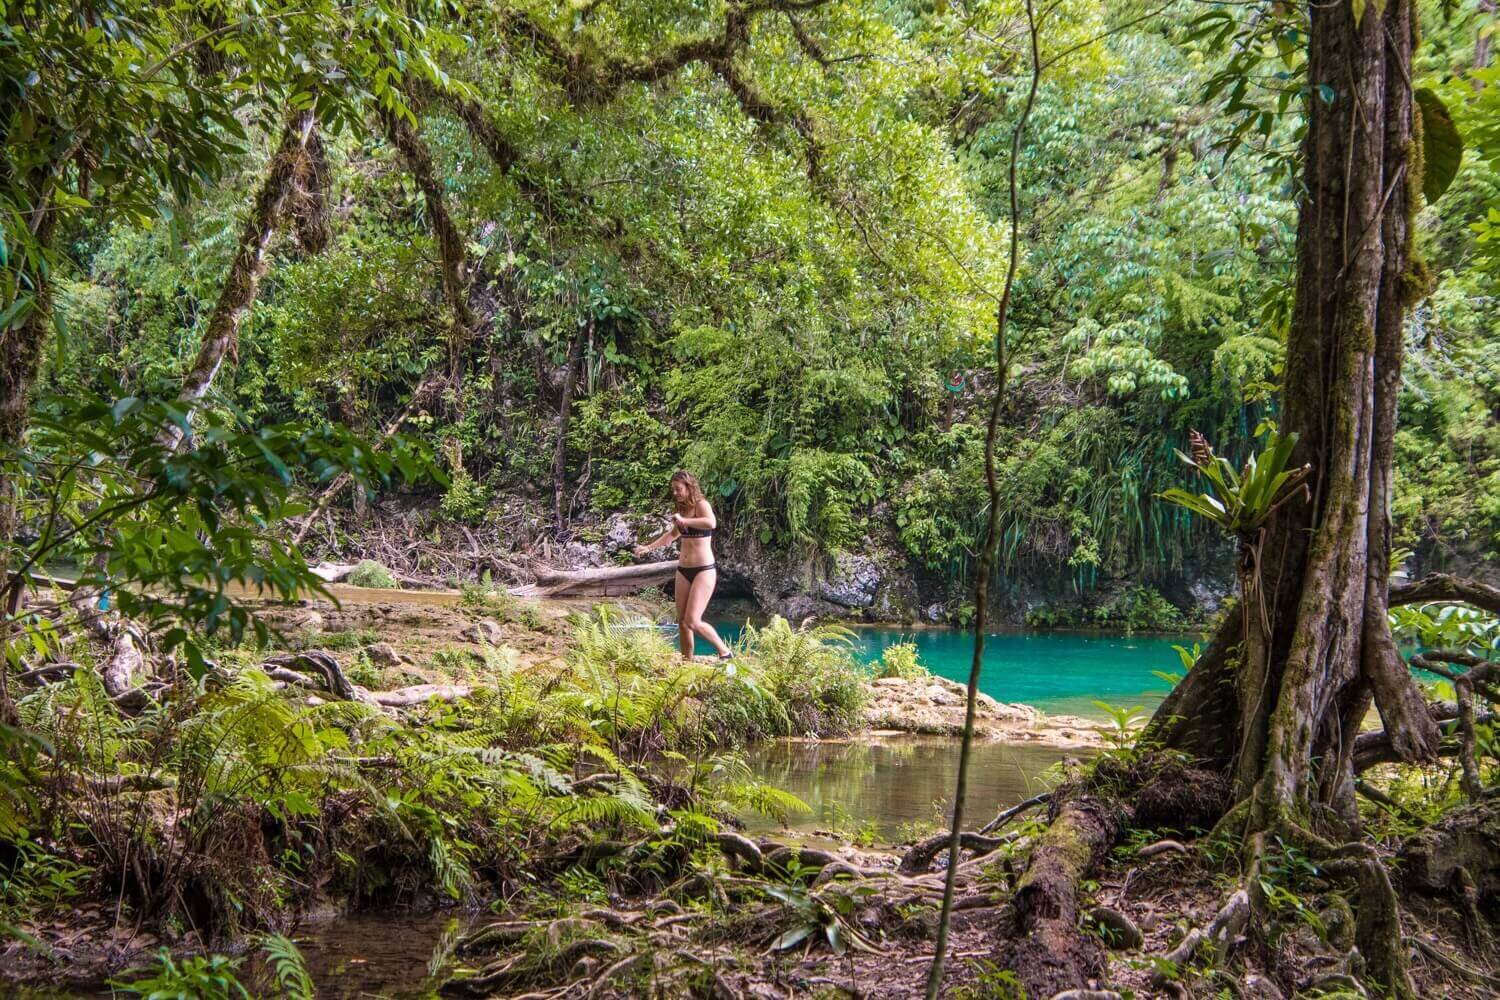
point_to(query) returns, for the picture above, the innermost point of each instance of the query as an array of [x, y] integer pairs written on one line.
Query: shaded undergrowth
[[230, 804]]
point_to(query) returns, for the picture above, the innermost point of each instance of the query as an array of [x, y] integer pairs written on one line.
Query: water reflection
[[898, 782], [400, 956]]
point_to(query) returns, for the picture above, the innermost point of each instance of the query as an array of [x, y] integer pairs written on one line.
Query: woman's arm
[[702, 519], [665, 538]]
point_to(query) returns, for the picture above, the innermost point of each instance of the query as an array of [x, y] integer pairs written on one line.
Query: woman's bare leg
[[680, 589], [699, 592]]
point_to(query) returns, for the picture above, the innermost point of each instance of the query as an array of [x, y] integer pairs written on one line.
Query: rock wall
[[877, 584]]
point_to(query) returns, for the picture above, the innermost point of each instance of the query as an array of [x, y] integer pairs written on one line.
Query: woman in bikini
[[693, 522]]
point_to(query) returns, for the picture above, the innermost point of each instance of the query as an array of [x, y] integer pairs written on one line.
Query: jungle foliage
[[763, 251]]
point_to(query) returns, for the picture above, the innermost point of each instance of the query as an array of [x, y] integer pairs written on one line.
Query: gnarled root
[[919, 856], [1226, 927], [290, 666], [1377, 918], [1462, 847]]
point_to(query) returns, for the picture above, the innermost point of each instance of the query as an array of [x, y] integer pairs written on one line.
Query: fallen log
[[415, 695], [604, 581], [1046, 949], [330, 572]]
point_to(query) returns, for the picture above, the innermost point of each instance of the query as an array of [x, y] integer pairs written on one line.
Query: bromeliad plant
[[1242, 502]]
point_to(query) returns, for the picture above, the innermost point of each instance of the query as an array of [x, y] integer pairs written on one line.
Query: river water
[[1062, 673], [897, 787]]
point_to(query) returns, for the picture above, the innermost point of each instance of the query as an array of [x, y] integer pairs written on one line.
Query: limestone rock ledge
[[936, 705]]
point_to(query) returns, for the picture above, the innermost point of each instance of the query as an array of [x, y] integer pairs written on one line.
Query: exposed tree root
[[1456, 967], [1463, 845], [1377, 919], [919, 856], [1161, 847], [1227, 925], [315, 660]]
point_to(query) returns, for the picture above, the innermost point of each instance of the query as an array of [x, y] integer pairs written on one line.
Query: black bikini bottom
[[688, 572]]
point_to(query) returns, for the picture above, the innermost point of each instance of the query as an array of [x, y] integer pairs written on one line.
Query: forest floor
[[1161, 897], [715, 933]]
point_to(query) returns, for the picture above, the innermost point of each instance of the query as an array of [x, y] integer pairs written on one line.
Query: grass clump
[[481, 600], [370, 573]]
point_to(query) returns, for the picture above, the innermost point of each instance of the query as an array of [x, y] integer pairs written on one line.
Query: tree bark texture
[[1278, 696]]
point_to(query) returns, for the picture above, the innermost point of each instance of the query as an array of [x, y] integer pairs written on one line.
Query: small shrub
[[1051, 616], [370, 573], [900, 660], [812, 673], [992, 983], [362, 672], [482, 601], [467, 499], [357, 638], [1140, 608], [209, 977]]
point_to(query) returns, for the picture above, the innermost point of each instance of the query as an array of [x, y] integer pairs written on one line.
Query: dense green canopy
[[773, 230]]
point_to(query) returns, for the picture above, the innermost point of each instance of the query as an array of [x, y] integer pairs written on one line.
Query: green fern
[[289, 967]]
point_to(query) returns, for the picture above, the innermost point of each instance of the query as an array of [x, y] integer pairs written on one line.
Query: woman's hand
[[677, 521], [640, 550]]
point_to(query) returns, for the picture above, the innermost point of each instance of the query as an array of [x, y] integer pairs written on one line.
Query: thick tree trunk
[[564, 411], [290, 164], [1313, 646]]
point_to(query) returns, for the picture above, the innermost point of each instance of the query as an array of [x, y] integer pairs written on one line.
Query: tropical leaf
[[1442, 145]]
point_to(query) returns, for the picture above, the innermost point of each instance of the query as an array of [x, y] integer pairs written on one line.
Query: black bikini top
[[696, 532]]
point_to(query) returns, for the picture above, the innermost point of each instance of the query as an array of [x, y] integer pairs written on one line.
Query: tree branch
[[450, 243], [1447, 587], [243, 280]]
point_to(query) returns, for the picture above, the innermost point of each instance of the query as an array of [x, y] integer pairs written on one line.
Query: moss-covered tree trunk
[[1278, 697], [293, 165]]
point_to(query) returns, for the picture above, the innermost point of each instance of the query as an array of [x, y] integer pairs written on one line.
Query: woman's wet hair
[[695, 492]]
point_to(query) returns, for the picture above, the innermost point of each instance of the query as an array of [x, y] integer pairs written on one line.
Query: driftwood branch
[[1006, 815]]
